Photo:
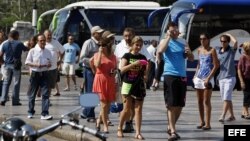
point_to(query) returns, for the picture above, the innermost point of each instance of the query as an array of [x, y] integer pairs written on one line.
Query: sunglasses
[[203, 39], [102, 45], [223, 41]]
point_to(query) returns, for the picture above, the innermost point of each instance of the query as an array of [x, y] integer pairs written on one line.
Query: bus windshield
[[136, 19], [79, 21]]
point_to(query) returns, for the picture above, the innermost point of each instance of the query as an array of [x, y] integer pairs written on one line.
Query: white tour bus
[[78, 18], [215, 17]]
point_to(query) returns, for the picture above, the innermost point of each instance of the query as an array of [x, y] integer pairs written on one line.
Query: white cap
[[107, 34], [97, 29]]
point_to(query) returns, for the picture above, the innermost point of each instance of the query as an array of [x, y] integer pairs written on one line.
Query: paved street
[[154, 116]]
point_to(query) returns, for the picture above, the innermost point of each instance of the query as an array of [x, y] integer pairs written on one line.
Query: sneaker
[[83, 116], [66, 89], [128, 128], [17, 104], [46, 117], [30, 116]]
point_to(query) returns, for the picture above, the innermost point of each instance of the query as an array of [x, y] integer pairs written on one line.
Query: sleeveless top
[[206, 65]]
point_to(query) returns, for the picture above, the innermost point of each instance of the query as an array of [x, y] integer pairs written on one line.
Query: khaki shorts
[[68, 68]]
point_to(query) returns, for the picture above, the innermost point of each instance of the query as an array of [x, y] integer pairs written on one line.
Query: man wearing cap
[[11, 51], [89, 48]]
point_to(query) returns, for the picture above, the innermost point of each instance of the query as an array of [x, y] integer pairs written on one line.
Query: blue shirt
[[70, 52], [174, 58], [227, 66], [206, 65], [12, 49]]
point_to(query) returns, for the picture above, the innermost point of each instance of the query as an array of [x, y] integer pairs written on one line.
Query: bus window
[[109, 18]]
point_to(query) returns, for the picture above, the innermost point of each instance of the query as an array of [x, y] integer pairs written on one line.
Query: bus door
[[44, 20], [77, 26], [157, 16], [58, 24]]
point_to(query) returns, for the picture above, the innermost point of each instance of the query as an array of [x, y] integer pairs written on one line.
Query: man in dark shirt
[[10, 52]]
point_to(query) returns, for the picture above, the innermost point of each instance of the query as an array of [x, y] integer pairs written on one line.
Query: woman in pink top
[[104, 64], [244, 77]]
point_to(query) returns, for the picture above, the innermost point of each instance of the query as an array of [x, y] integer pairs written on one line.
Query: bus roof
[[201, 3], [115, 4]]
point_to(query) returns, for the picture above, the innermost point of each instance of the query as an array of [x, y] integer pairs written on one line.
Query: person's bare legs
[[73, 77], [138, 119], [230, 110], [125, 114], [173, 114], [67, 83], [224, 110], [200, 99], [57, 88], [104, 114], [208, 107]]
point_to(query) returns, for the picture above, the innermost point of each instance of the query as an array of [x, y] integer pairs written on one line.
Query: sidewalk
[[154, 122]]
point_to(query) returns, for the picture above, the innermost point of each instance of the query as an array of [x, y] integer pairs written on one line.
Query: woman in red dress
[[104, 63]]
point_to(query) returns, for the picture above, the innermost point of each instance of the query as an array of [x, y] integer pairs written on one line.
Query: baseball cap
[[97, 29], [107, 34]]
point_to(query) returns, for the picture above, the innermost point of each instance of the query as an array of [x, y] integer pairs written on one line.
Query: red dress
[[104, 81]]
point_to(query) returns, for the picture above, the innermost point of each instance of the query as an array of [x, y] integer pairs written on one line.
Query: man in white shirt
[[39, 60], [57, 51], [152, 51]]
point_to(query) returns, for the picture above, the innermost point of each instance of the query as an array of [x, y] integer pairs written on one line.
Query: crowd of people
[[122, 73]]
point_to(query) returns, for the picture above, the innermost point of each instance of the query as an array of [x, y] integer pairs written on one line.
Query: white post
[[34, 16]]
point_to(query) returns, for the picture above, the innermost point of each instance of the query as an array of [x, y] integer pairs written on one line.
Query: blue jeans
[[89, 78], [39, 79], [8, 73]]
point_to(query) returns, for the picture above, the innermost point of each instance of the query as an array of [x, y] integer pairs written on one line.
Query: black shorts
[[175, 88], [52, 77], [246, 98]]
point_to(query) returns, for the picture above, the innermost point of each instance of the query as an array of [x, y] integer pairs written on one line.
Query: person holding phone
[[174, 51]]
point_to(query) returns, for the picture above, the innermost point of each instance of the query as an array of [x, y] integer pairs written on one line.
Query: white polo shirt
[[39, 56], [56, 49]]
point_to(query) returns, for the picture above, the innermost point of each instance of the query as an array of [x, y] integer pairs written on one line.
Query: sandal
[[200, 126], [110, 123], [139, 137], [206, 128], [231, 119], [97, 125], [119, 133], [247, 117], [177, 135], [173, 137]]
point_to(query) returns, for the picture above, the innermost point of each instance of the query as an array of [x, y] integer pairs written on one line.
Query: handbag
[[17, 64], [116, 107], [17, 61], [138, 90]]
